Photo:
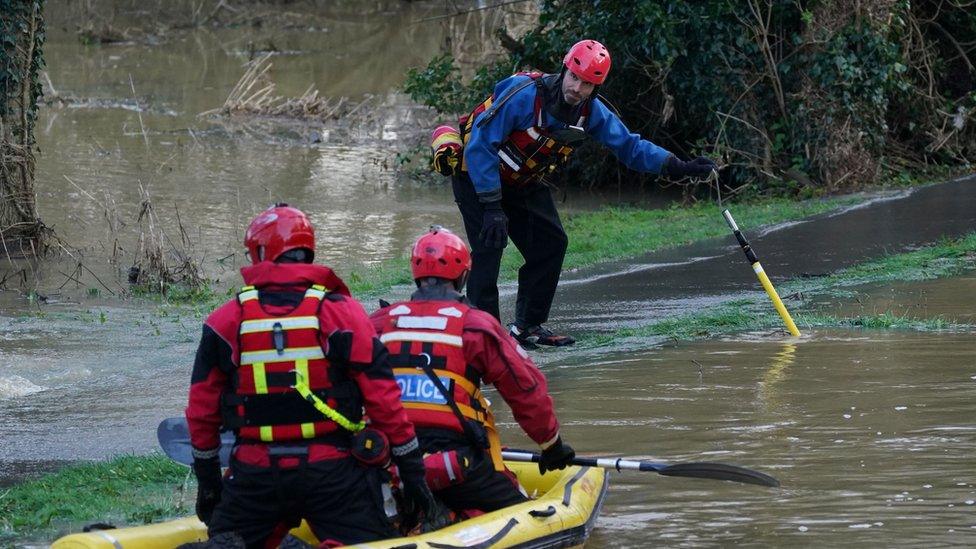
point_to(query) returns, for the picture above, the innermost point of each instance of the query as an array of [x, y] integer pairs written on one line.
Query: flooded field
[[870, 432]]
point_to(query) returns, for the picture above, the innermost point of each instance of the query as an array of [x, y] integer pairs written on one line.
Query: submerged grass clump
[[130, 489]]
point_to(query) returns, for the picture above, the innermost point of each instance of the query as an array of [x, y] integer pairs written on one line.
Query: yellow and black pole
[[763, 279]]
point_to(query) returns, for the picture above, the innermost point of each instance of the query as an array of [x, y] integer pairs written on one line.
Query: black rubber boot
[[533, 336]]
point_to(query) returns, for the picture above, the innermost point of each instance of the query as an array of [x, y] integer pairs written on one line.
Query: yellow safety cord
[[303, 389]]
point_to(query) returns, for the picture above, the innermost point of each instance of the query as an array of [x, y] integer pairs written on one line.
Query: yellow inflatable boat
[[562, 512]]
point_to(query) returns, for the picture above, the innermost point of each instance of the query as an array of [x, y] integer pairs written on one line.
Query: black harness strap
[[426, 366], [493, 110]]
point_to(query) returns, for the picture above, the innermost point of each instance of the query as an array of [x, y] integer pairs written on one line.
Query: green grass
[[949, 257], [614, 233], [127, 489]]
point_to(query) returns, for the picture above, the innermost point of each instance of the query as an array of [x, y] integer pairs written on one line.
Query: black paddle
[[696, 469], [174, 439]]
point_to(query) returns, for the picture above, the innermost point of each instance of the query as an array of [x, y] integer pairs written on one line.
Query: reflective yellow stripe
[[317, 291], [266, 433], [287, 323], [301, 368], [271, 355], [308, 430], [260, 379], [427, 337]]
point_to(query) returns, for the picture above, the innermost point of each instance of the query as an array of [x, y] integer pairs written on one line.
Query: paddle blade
[[718, 471], [174, 438]]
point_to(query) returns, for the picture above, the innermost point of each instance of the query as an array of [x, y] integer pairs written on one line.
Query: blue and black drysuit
[[533, 222]]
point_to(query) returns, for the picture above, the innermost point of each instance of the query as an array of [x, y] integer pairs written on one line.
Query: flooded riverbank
[[870, 431]]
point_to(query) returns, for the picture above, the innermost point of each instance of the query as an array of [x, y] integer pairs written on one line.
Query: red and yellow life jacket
[[418, 333], [274, 351], [526, 155]]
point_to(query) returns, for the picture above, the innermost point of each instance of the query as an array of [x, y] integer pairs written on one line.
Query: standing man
[[289, 365], [527, 127], [442, 350]]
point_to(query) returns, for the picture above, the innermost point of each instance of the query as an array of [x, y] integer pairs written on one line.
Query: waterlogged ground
[[870, 433]]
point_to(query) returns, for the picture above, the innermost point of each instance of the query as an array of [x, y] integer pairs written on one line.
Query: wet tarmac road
[[650, 288]]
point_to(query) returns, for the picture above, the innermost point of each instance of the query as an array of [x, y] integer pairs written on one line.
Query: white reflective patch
[[301, 353], [521, 351], [508, 160], [757, 267], [428, 322], [454, 341], [292, 323], [447, 465], [399, 310], [312, 292], [533, 133], [450, 311]]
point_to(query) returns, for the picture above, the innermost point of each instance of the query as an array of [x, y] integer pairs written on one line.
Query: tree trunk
[[21, 38]]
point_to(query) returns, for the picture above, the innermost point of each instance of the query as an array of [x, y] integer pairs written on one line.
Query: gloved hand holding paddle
[[209, 486], [556, 456]]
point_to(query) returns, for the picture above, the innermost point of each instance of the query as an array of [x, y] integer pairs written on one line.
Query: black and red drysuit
[[309, 476]]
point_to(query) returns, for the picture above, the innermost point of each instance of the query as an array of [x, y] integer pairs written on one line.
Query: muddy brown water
[[870, 432]]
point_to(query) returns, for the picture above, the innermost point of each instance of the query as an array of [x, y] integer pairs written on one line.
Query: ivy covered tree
[[21, 39], [798, 97]]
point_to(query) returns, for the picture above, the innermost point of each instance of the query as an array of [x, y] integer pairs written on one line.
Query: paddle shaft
[[174, 438], [753, 260], [618, 464]]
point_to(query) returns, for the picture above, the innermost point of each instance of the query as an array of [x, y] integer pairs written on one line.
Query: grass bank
[[945, 259], [614, 233], [126, 490], [606, 234]]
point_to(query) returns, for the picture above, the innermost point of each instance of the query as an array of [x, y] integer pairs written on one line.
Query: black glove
[[209, 486], [699, 167], [416, 494], [557, 456], [494, 227]]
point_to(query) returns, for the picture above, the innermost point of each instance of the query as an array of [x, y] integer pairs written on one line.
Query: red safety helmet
[[277, 230], [442, 254], [589, 60]]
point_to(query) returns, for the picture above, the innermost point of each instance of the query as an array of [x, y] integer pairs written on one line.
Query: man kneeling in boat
[[289, 365], [441, 350]]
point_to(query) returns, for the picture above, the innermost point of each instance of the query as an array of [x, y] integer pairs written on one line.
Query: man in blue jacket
[[511, 141]]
